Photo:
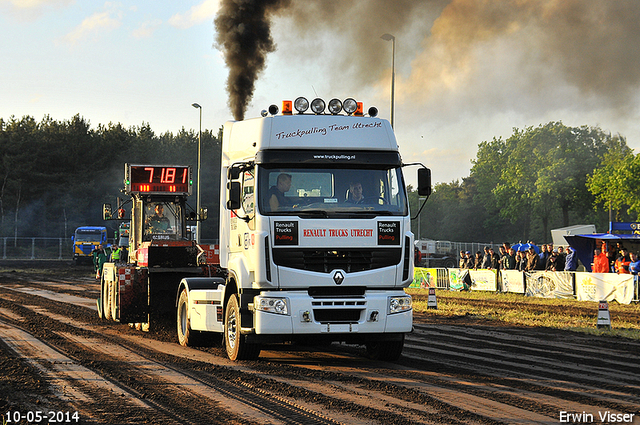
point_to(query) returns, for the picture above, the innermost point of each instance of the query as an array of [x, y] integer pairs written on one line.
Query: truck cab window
[[331, 191], [248, 196], [162, 218]]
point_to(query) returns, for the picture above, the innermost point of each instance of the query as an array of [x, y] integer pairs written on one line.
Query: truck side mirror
[[204, 213], [234, 172], [424, 181], [233, 196], [107, 214]]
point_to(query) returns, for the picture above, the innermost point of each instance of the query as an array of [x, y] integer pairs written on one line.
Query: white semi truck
[[315, 238], [305, 259]]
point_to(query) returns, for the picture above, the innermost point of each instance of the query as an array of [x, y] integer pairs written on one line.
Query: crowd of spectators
[[615, 259], [523, 259], [606, 259]]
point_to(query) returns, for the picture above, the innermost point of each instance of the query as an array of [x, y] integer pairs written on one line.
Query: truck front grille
[[325, 261], [337, 315]]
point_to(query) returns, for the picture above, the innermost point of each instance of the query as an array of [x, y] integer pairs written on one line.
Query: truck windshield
[[163, 220], [327, 192], [88, 236]]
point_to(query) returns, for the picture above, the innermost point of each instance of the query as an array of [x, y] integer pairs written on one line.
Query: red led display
[[159, 179]]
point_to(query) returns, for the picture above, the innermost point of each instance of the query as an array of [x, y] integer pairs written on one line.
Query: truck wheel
[[113, 286], [186, 336], [100, 301], [106, 298], [385, 350], [234, 341], [450, 264]]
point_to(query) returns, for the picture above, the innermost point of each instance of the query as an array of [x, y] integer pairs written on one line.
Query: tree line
[[55, 175], [538, 179]]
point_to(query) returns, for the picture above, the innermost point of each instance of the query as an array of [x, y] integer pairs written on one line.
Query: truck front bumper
[[295, 313]]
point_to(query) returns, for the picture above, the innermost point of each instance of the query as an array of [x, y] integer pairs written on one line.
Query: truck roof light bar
[[335, 106], [286, 107], [317, 106], [301, 104], [350, 106]]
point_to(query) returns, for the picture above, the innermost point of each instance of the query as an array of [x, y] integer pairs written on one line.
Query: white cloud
[[146, 29], [198, 14], [31, 9], [94, 25]]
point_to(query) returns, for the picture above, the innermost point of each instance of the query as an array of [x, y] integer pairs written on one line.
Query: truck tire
[[450, 263], [186, 336], [235, 343], [100, 301], [106, 298], [113, 288], [385, 350]]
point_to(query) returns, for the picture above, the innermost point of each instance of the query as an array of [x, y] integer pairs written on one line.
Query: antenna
[[314, 90]]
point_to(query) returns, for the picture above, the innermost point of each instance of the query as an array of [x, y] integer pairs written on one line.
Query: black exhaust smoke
[[244, 37]]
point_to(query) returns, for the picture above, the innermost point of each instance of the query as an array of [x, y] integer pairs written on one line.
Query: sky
[[466, 71]]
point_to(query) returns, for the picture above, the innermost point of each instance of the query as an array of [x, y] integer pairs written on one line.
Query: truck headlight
[[399, 304], [272, 305]]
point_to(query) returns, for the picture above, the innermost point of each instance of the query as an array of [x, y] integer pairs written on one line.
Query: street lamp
[[389, 37], [195, 105]]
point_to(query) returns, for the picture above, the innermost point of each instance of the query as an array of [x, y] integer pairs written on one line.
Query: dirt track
[[57, 356]]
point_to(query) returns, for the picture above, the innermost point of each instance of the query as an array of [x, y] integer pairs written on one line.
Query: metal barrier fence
[[582, 286], [36, 248], [25, 248]]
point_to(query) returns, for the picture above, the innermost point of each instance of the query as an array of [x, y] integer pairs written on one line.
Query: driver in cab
[[355, 193], [276, 193], [157, 223]]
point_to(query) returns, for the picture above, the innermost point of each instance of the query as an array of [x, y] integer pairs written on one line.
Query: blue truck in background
[[85, 240]]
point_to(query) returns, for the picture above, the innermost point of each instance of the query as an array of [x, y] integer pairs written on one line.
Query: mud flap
[[133, 296]]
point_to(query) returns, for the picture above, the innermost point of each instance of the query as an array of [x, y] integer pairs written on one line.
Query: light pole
[[389, 37], [195, 105]]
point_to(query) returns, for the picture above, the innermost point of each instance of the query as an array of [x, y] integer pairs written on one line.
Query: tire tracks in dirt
[[449, 373]]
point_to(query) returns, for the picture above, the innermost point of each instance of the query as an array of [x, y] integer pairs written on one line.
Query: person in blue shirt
[[634, 265], [571, 262]]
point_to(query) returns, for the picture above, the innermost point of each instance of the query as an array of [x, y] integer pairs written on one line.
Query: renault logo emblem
[[338, 278]]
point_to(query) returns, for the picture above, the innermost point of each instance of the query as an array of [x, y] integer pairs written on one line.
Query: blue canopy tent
[[584, 245]]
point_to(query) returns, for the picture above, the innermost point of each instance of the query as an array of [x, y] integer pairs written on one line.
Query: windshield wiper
[[312, 213]]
